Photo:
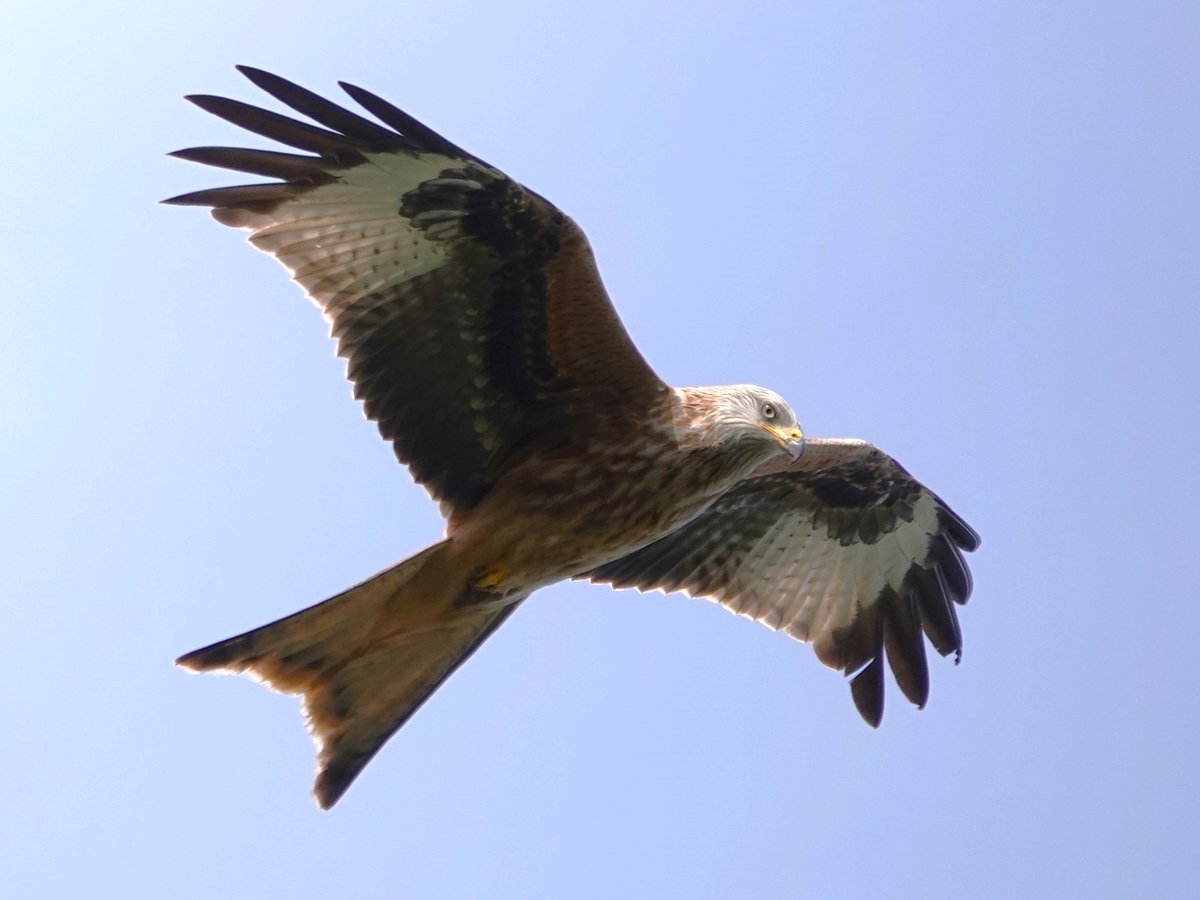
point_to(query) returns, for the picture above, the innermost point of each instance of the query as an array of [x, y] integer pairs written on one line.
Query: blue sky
[[967, 232]]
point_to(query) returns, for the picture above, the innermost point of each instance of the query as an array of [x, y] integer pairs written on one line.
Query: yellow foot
[[490, 579]]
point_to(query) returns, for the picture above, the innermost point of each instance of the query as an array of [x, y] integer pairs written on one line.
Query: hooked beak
[[790, 439]]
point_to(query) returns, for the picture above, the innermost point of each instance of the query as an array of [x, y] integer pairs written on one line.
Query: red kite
[[481, 341]]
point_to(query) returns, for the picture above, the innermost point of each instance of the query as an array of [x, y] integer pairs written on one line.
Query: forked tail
[[364, 660]]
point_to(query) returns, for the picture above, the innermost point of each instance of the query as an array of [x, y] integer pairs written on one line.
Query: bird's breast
[[559, 516]]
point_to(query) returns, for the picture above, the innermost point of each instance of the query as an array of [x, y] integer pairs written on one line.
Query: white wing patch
[[841, 549], [796, 580], [345, 240]]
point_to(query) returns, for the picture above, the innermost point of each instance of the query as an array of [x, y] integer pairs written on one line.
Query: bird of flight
[[480, 339]]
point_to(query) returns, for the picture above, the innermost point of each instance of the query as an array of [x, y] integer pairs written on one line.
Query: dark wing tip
[[251, 197], [904, 641], [256, 74], [205, 101], [362, 132], [939, 621], [867, 690], [966, 537], [215, 656], [945, 556], [344, 147], [296, 168], [402, 122], [332, 782]]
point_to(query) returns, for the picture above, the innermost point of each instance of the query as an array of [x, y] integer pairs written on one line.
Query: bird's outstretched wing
[[842, 548], [469, 309]]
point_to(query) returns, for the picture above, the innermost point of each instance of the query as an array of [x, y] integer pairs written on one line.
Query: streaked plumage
[[481, 341]]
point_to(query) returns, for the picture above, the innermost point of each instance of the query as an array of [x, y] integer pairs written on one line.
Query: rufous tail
[[364, 660]]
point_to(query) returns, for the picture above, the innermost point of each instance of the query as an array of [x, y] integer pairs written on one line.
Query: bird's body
[[600, 512], [479, 336]]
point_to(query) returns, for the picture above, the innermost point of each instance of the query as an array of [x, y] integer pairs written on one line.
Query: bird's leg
[[484, 586], [489, 578]]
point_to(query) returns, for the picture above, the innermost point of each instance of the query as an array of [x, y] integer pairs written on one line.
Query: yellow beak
[[790, 439]]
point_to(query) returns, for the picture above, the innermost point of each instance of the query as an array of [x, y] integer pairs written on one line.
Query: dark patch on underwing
[[856, 487], [450, 191], [859, 504], [499, 217], [516, 356]]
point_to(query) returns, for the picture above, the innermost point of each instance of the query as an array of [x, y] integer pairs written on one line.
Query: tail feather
[[352, 715], [287, 653], [364, 660]]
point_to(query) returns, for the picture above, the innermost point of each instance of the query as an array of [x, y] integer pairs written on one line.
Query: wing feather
[[938, 617], [268, 163], [328, 144], [468, 308], [843, 549], [341, 120]]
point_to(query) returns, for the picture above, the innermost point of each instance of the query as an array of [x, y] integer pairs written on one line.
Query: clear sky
[[969, 232]]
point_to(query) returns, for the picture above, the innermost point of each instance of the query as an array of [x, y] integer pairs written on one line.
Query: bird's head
[[748, 415]]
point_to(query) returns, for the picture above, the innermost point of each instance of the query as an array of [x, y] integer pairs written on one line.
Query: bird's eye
[[768, 411]]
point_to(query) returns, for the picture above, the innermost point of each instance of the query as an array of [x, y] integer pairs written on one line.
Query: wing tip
[[188, 199], [331, 784], [866, 689], [325, 793], [207, 101], [229, 655], [253, 72]]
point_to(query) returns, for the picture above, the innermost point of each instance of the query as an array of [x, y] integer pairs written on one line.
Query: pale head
[[743, 414]]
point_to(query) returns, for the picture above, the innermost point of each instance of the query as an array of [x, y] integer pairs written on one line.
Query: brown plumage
[[480, 339]]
